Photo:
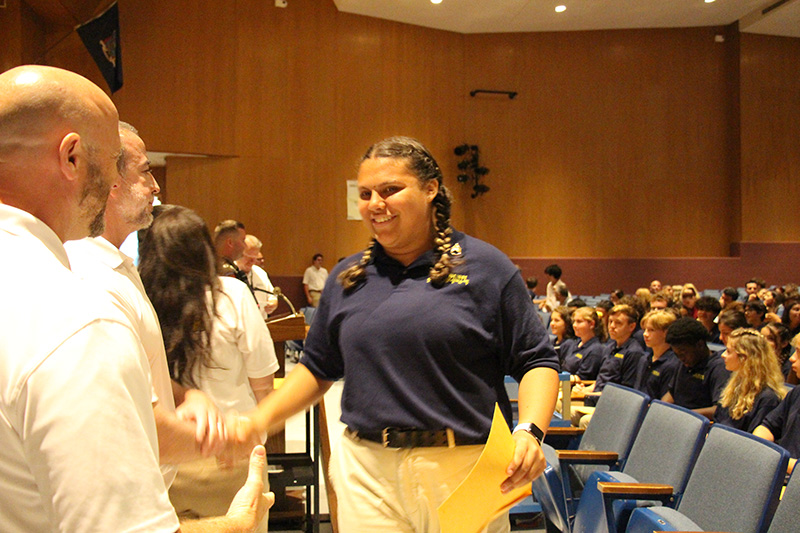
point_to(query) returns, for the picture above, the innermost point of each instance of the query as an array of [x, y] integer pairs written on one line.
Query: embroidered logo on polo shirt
[[460, 279], [619, 355], [656, 373], [701, 377], [579, 355]]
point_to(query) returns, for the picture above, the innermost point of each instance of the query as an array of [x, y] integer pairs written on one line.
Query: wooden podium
[[286, 328]]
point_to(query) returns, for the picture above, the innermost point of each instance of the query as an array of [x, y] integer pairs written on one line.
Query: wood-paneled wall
[[770, 131], [624, 143]]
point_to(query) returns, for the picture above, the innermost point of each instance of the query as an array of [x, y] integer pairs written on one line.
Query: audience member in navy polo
[[729, 320], [708, 309], [698, 385], [756, 384], [561, 327], [659, 365], [782, 424], [586, 356], [778, 337], [755, 312], [621, 365]]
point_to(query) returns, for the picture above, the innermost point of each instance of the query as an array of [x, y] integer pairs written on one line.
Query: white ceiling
[[497, 16]]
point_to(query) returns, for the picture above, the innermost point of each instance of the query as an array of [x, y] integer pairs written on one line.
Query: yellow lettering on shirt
[[619, 355], [701, 377], [656, 373], [579, 355], [461, 279]]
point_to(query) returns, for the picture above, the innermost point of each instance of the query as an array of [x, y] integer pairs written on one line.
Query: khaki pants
[[388, 489], [202, 489]]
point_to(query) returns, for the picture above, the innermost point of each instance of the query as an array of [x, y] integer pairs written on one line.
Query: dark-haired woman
[[423, 326], [561, 327], [791, 316], [215, 338]]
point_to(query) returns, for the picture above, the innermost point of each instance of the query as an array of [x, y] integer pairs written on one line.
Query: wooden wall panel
[[770, 90], [180, 74], [618, 144]]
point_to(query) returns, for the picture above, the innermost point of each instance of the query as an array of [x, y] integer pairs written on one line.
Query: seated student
[[602, 308], [778, 337], [791, 316], [641, 307], [730, 319], [755, 313], [782, 424], [708, 309], [561, 327], [660, 300], [698, 385], [728, 296], [659, 365], [586, 356], [689, 295], [621, 364], [755, 387], [531, 283]]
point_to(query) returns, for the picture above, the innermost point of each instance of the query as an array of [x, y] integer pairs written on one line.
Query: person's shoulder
[[472, 250], [232, 286]]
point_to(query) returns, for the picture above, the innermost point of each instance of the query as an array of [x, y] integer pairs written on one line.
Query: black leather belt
[[414, 438]]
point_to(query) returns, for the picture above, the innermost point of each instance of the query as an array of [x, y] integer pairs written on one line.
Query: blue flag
[[101, 37]]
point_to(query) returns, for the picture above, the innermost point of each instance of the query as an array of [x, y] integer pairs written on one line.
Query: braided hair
[[422, 164]]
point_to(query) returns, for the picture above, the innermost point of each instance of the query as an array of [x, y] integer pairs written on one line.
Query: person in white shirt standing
[[79, 438], [197, 428], [314, 280], [257, 278]]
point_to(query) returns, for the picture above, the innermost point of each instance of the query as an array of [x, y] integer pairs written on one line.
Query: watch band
[[531, 428]]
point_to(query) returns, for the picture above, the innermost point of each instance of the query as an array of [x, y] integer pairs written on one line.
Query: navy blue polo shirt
[[414, 356], [656, 377], [701, 385], [620, 365], [566, 348], [584, 361], [765, 401], [784, 423]]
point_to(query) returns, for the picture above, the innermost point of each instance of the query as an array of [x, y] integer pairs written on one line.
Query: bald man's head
[[59, 147]]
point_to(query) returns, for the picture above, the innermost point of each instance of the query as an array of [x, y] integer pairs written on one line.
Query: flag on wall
[[101, 37]]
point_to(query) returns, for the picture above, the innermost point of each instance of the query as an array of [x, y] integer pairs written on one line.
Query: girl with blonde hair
[[756, 384]]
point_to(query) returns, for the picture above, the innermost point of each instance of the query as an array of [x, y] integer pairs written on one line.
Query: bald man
[[79, 450]]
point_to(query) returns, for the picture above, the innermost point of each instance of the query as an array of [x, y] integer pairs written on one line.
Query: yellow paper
[[478, 499]]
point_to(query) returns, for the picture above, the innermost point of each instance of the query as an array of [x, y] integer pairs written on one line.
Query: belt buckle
[[385, 437]]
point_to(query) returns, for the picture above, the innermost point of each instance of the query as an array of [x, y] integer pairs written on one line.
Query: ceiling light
[[709, 1], [436, 1], [561, 9]]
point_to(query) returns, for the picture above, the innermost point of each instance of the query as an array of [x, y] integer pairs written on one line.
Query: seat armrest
[[633, 490], [565, 431], [587, 457]]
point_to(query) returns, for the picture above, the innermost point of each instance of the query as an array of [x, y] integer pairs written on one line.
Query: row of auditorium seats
[[645, 466]]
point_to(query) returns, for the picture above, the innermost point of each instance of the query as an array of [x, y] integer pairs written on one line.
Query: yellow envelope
[[478, 500]]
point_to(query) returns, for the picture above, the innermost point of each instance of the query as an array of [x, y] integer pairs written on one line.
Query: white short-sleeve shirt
[[79, 447], [241, 348]]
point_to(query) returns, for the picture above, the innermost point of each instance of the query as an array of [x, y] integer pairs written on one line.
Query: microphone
[[279, 293]]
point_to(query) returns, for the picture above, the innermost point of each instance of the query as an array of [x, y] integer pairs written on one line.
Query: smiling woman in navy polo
[[423, 326]]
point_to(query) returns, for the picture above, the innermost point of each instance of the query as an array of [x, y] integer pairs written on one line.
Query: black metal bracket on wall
[[511, 94]]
